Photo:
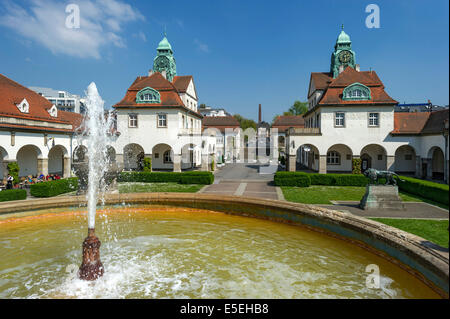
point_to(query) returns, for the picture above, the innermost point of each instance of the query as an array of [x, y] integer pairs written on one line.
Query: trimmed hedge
[[430, 190], [281, 179], [193, 177], [12, 194], [54, 188]]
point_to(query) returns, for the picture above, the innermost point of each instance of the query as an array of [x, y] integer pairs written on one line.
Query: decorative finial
[[165, 31], [342, 27]]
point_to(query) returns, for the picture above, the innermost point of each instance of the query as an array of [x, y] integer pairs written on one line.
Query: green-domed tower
[[164, 60], [343, 54]]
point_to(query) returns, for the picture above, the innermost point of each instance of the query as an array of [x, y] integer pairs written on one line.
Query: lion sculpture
[[374, 175]]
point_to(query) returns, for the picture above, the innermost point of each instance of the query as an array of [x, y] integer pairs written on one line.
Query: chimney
[[259, 115], [163, 73], [357, 67], [150, 73]]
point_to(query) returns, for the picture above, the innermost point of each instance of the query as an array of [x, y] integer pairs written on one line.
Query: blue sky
[[241, 53]]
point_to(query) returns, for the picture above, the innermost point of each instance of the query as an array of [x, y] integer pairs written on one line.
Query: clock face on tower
[[162, 63], [345, 56]]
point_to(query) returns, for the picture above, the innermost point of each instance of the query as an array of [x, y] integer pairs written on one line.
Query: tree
[[299, 108], [245, 123]]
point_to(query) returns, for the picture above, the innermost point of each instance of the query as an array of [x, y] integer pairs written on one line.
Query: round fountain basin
[[173, 252]]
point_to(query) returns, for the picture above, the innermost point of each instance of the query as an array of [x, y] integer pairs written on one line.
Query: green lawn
[[432, 230], [317, 194], [158, 188]]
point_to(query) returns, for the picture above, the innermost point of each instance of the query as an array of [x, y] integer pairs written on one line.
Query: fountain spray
[[97, 129]]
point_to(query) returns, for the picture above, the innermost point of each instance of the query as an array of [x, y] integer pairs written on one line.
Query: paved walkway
[[244, 180], [414, 210]]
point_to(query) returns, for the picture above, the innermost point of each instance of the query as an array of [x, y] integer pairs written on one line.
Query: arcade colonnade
[[36, 153], [422, 158]]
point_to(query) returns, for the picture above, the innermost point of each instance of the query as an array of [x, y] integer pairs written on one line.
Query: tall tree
[[245, 123], [299, 108]]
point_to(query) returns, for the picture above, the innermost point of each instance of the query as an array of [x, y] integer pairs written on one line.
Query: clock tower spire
[[164, 60], [343, 56]]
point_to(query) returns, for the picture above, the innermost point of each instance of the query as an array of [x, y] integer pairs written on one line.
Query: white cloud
[[201, 46], [141, 35], [101, 22]]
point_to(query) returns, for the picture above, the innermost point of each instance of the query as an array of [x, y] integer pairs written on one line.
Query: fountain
[[97, 128]]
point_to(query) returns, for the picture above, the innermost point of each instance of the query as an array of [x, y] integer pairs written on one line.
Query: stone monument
[[381, 197]]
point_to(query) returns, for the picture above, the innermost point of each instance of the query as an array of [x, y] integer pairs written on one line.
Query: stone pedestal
[[291, 163], [381, 197], [323, 164], [177, 163], [205, 160]]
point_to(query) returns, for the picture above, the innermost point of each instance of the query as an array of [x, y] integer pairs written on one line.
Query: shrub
[[324, 179], [13, 194], [298, 179], [213, 166], [196, 179], [356, 166], [13, 170], [165, 177], [147, 164], [430, 190], [283, 160], [54, 188]]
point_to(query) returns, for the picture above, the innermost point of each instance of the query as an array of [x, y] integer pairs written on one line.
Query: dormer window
[[24, 106], [53, 111], [148, 96], [356, 92]]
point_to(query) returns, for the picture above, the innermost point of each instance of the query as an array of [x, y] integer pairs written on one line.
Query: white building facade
[[350, 116]]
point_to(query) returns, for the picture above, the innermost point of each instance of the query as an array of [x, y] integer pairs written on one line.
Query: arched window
[[333, 158], [167, 157], [148, 96], [356, 92]]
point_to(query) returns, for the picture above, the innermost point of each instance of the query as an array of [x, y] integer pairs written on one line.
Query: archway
[[339, 159], [405, 160], [308, 157], [80, 154], [56, 157], [437, 162], [190, 156], [373, 156], [27, 158], [133, 157], [162, 157]]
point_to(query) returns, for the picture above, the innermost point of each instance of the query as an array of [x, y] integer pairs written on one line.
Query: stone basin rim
[[432, 260]]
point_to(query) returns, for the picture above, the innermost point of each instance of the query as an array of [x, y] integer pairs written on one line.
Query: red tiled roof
[[435, 123], [219, 122], [284, 122], [419, 122], [182, 82], [333, 95], [409, 123], [169, 94], [12, 93], [321, 79]]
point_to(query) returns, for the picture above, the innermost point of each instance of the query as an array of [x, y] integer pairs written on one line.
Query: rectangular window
[[339, 119], [132, 120], [162, 120], [380, 157], [374, 119], [408, 157]]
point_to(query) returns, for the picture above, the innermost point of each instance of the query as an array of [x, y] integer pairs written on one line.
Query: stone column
[[213, 156], [323, 164], [418, 167], [205, 165], [177, 163], [67, 167], [390, 163], [42, 166], [119, 162], [5, 169], [429, 162], [291, 163]]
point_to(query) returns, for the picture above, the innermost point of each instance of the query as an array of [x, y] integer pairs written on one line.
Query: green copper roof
[[164, 45], [343, 38]]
